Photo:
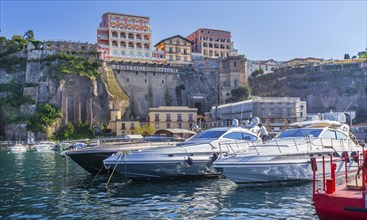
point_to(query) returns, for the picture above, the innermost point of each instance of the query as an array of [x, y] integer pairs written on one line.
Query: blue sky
[[280, 30]]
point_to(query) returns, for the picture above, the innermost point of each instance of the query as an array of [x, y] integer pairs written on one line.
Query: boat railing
[[298, 144], [236, 146], [355, 178]]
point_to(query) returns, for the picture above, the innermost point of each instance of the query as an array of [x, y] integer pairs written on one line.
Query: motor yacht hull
[[164, 169], [280, 171], [91, 158], [91, 161]]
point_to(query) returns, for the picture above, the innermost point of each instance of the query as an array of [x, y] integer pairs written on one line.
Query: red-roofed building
[[211, 43]]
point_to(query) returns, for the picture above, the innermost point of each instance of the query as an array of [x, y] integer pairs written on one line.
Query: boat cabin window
[[329, 134], [302, 132], [209, 134], [341, 136], [240, 136]]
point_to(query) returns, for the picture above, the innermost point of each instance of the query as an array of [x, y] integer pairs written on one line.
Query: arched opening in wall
[[131, 36], [199, 107], [236, 83]]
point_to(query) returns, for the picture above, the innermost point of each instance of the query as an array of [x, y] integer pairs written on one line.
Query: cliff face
[[151, 86], [324, 88], [80, 98]]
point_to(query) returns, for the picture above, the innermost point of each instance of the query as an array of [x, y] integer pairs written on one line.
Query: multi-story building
[[360, 131], [172, 117], [122, 127], [302, 61], [69, 47], [211, 43], [124, 37], [267, 66], [230, 73], [176, 49], [158, 57], [274, 112]]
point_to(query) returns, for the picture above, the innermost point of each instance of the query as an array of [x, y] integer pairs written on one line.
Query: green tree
[[28, 35], [346, 57], [145, 130], [257, 72], [362, 55], [46, 116], [240, 93]]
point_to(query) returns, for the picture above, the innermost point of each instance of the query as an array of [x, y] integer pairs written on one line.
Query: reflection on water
[[44, 185]]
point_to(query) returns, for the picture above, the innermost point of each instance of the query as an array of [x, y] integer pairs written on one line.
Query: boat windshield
[[209, 135], [300, 133]]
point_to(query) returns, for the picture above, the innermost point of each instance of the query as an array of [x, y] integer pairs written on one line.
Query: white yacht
[[288, 156], [192, 158], [45, 146], [18, 148]]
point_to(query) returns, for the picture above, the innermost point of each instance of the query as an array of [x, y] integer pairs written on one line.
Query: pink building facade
[[211, 43], [124, 37]]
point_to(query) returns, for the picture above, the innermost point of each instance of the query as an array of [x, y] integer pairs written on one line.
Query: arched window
[[201, 65], [131, 36]]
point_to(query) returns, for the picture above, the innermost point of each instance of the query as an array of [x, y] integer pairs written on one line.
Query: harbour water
[[36, 185]]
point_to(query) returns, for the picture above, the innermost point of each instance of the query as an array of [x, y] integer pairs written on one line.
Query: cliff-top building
[[302, 61], [176, 50], [125, 37], [69, 47], [211, 43]]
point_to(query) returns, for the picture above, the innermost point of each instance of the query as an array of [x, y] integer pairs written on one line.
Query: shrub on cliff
[[71, 64], [46, 116], [74, 131]]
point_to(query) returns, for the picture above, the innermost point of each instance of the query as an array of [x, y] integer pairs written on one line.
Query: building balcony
[[103, 37], [104, 46]]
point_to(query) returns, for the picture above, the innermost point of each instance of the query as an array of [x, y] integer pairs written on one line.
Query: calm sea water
[[36, 185]]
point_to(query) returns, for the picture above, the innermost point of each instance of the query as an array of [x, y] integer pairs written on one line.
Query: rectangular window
[[179, 117], [170, 58], [168, 117], [178, 58], [156, 125], [185, 59], [170, 50], [123, 126], [132, 126], [179, 125], [168, 125], [156, 117], [191, 118]]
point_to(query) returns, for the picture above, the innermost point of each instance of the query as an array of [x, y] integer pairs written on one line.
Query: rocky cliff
[[81, 98], [323, 87]]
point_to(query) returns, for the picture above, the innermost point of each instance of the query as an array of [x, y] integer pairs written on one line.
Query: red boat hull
[[333, 206]]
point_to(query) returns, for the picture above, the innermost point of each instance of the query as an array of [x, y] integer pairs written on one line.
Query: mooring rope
[[109, 179]]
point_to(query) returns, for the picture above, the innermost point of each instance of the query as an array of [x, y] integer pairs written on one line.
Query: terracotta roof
[[173, 37]]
